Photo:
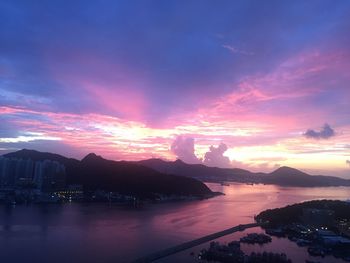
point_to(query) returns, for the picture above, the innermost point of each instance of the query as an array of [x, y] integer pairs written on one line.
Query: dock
[[187, 245]]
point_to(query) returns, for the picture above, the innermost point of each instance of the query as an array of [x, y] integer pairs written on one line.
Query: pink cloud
[[271, 110], [215, 156]]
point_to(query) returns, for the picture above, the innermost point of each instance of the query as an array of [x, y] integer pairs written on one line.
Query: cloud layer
[[123, 78]]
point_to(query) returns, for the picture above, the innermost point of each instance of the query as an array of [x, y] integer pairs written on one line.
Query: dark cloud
[[325, 133], [215, 156], [348, 162], [183, 148]]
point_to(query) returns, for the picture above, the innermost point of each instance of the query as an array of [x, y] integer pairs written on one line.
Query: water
[[103, 233]]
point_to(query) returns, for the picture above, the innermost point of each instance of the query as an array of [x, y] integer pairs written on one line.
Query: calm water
[[102, 233]]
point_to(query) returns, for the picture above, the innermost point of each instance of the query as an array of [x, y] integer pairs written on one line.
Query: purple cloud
[[325, 133], [183, 148], [215, 156]]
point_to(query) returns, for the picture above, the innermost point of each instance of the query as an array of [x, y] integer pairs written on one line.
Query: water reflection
[[102, 233]]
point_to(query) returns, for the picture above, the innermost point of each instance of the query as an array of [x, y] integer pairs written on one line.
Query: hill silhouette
[[95, 172], [168, 177], [284, 176]]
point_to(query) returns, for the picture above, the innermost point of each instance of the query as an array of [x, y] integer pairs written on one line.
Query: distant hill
[[95, 172], [287, 176], [201, 171], [39, 156], [284, 176]]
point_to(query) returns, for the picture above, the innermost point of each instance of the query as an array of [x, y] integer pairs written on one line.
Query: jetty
[[187, 245]]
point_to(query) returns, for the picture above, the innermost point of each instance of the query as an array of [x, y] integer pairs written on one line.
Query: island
[[323, 226]]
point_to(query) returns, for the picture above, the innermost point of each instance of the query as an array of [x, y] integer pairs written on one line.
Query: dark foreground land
[[91, 179], [323, 226], [232, 253]]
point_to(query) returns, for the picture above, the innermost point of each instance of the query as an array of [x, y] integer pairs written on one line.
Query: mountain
[[39, 156], [287, 176], [284, 176], [168, 177], [95, 172], [126, 177], [202, 172]]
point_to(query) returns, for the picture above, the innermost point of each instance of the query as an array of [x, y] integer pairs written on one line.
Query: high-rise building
[[24, 172], [2, 161], [49, 175], [38, 175], [9, 173], [46, 175]]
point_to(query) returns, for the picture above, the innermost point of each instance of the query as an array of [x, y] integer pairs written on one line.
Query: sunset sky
[[249, 84]]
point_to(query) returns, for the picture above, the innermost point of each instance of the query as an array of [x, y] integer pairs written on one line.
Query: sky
[[248, 84]]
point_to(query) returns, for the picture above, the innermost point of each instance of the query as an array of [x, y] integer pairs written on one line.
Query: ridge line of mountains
[[283, 176], [169, 177], [96, 173]]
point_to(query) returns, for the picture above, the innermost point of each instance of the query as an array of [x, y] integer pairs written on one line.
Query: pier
[[172, 250]]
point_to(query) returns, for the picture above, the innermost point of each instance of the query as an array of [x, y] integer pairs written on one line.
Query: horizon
[[252, 85], [165, 160]]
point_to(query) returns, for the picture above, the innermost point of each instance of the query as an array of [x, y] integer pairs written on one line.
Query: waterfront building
[[2, 161], [329, 238], [24, 172], [8, 173], [47, 175]]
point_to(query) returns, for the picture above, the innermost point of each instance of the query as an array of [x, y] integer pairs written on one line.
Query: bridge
[[172, 250]]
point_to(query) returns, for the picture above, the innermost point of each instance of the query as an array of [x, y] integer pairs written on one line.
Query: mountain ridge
[[95, 172], [283, 176]]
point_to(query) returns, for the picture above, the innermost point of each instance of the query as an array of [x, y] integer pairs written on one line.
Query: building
[[8, 174], [46, 176], [331, 239], [24, 172]]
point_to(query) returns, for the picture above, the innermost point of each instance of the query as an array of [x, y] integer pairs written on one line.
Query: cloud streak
[[235, 50]]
